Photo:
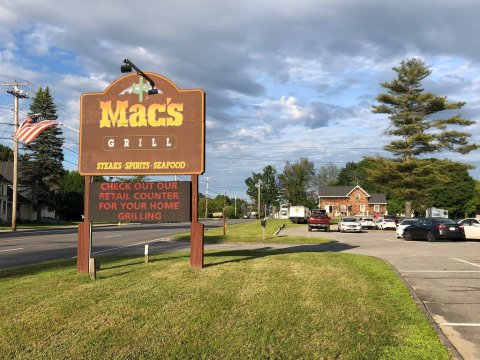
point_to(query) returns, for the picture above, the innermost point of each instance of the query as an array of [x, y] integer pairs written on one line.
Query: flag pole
[[68, 127]]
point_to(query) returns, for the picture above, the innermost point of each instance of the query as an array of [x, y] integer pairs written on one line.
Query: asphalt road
[[444, 275], [30, 247]]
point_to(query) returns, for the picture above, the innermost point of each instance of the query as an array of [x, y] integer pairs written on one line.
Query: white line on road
[[439, 271], [111, 236], [126, 246], [11, 250], [466, 262], [461, 324]]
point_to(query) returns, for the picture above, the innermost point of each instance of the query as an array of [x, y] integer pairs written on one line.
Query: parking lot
[[445, 276]]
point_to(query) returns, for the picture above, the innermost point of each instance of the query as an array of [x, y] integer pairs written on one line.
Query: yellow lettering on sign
[[155, 115], [137, 117], [117, 118]]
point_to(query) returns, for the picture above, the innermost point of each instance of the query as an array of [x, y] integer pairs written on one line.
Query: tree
[[44, 156], [6, 154], [269, 191], [357, 173], [71, 200], [457, 195], [415, 117], [297, 183], [327, 175]]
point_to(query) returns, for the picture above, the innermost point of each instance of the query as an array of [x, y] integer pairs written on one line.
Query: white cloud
[[302, 73], [42, 38]]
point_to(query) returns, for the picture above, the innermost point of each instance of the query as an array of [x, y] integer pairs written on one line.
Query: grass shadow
[[250, 254], [28, 270]]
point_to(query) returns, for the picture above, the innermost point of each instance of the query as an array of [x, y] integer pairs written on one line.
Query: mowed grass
[[242, 305], [252, 232]]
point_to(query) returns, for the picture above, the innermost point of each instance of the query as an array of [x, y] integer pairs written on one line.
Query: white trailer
[[435, 212], [298, 214]]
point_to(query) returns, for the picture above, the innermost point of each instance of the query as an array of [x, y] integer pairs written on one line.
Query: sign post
[[84, 234], [128, 130], [196, 230]]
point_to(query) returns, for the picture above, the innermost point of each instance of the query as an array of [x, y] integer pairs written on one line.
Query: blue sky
[[283, 79]]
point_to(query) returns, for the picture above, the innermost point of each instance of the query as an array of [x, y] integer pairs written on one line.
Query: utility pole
[[224, 215], [259, 183], [17, 94], [206, 202]]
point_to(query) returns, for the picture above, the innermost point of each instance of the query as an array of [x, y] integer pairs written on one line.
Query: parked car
[[350, 224], [385, 224], [471, 227], [318, 219], [403, 224], [392, 217], [367, 223], [432, 229]]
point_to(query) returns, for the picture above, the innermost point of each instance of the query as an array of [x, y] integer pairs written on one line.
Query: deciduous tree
[[297, 183], [6, 154], [269, 190]]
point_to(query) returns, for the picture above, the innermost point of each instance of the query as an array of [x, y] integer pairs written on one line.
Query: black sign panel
[[165, 201]]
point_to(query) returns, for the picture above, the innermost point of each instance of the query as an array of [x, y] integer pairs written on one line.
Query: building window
[[357, 196], [376, 208], [362, 209], [343, 208], [329, 208]]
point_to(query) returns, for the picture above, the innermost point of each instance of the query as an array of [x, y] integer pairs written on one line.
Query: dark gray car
[[432, 229]]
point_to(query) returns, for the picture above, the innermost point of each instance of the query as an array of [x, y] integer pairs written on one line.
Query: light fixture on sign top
[[128, 66]]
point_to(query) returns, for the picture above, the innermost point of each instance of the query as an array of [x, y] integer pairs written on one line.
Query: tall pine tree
[[42, 168], [416, 119]]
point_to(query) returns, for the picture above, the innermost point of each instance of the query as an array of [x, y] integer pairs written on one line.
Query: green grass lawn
[[242, 305], [252, 232]]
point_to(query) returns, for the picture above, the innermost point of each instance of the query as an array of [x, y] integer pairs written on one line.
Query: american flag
[[31, 127]]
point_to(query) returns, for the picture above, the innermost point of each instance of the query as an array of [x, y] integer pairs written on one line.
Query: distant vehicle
[[385, 224], [436, 212], [318, 219], [283, 213], [349, 224], [392, 217], [403, 224], [432, 229], [471, 226], [367, 223], [298, 214]]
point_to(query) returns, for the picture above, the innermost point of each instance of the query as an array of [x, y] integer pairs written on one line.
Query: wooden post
[[84, 248], [92, 269], [196, 230]]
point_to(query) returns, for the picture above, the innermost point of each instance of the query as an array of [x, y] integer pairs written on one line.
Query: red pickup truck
[[318, 219]]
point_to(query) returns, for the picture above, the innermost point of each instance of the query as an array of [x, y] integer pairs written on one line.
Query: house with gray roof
[[26, 209], [341, 201]]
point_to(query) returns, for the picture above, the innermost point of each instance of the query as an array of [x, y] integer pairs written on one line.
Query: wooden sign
[[166, 201], [127, 131]]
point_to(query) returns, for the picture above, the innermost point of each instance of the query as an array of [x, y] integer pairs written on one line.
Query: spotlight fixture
[[128, 66]]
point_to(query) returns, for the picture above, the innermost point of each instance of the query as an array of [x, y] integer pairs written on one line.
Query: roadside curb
[[443, 338]]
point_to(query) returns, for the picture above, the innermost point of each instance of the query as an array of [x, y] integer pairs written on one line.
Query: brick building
[[341, 201]]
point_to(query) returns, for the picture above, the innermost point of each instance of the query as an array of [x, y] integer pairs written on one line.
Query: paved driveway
[[444, 275]]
